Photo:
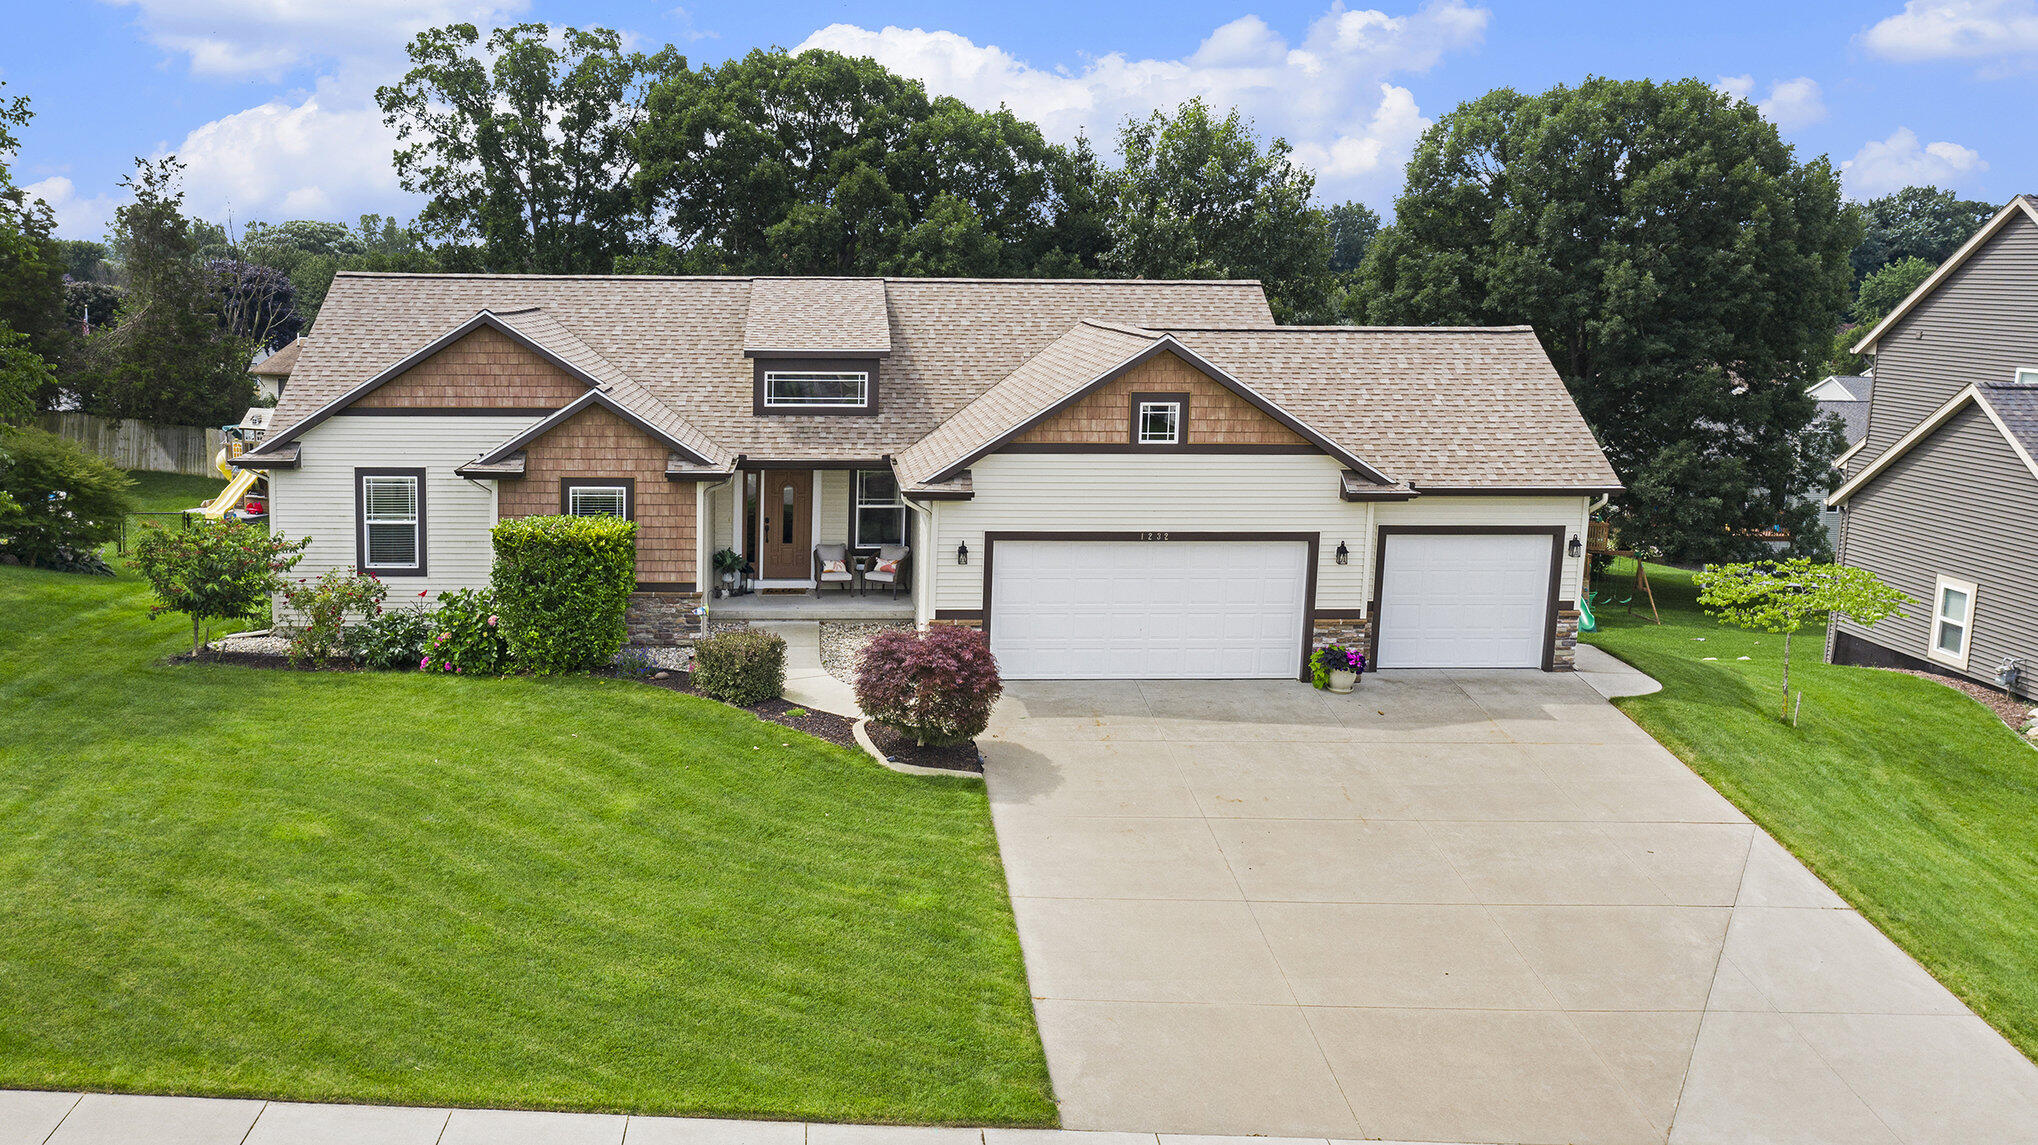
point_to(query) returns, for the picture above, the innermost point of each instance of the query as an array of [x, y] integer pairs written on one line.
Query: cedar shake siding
[[1977, 328], [1958, 503], [1217, 417], [483, 370], [597, 444]]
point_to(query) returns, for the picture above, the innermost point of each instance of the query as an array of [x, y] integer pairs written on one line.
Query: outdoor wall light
[[1576, 546], [962, 554], [1344, 555]]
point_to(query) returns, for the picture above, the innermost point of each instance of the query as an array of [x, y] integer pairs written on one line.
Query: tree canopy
[[818, 163], [1916, 222], [524, 145], [1683, 269], [1199, 198]]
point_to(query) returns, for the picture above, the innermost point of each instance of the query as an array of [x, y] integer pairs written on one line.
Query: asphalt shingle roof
[[2018, 407], [817, 315]]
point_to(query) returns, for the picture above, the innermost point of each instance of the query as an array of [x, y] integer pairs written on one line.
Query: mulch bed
[[2008, 708], [821, 725], [900, 748]]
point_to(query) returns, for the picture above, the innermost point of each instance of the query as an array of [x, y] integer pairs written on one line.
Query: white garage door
[[1464, 600], [1145, 610]]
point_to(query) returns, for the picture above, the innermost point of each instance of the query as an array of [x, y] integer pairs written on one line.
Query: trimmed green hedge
[[562, 585], [741, 668]]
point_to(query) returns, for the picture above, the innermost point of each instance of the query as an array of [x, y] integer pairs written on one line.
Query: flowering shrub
[[469, 636], [391, 638], [741, 668], [634, 663], [562, 585], [936, 686], [209, 572], [322, 606], [1335, 658]]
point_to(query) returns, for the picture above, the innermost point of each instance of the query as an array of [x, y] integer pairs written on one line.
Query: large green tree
[[311, 252], [1916, 222], [523, 145], [171, 357], [818, 163], [1683, 269], [31, 260], [1198, 197]]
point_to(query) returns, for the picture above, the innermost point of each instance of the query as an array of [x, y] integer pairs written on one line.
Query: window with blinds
[[391, 512], [597, 501]]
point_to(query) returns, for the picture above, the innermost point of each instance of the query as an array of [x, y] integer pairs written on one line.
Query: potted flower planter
[[1337, 668], [1341, 680]]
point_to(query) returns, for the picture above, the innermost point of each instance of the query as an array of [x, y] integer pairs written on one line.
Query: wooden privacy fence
[[133, 444]]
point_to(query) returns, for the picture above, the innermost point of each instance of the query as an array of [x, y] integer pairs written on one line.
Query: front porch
[[830, 604]]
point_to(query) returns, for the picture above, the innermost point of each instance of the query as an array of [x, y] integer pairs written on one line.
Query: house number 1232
[[1153, 536]]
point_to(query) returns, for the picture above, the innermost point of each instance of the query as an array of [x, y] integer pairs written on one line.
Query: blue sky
[[270, 102]]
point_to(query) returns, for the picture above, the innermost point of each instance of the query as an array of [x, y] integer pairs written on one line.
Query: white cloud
[[264, 37], [1791, 103], [1882, 166], [1981, 30], [1328, 95], [78, 217], [325, 156], [688, 29]]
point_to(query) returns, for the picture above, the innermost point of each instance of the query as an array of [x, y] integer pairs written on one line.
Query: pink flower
[[491, 622], [425, 663]]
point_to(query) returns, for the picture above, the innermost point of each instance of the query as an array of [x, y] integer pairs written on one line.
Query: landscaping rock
[[842, 642]]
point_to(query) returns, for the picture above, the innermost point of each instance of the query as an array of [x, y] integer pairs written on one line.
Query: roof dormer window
[[816, 386], [1159, 419]]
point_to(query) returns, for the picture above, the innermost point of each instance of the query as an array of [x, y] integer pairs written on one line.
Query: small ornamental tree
[[562, 586], [936, 686], [1785, 596], [224, 571], [69, 502]]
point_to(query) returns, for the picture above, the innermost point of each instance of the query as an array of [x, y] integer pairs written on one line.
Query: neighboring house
[[273, 372], [1845, 397], [1940, 494], [1116, 479]]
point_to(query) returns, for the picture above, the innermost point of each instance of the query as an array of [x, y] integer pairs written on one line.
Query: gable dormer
[[816, 346]]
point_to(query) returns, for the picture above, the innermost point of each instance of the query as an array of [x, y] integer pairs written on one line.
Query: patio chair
[[899, 557], [831, 566]]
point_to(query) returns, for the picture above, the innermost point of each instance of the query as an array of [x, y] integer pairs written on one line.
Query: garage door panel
[[1147, 610], [1464, 600]]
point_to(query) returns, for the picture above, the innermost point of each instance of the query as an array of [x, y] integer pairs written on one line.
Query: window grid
[[1160, 423], [389, 518], [816, 389], [880, 514], [1952, 620]]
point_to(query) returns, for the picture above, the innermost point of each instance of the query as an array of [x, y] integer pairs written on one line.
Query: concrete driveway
[[1466, 907]]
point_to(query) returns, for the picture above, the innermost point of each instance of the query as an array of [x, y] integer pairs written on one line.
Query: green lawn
[[578, 893], [1910, 799]]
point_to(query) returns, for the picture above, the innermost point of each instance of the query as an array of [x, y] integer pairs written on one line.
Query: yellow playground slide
[[239, 481]]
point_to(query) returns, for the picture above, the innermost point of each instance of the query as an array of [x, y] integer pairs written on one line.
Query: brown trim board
[[664, 586], [1123, 447], [1556, 534], [447, 411], [574, 409], [1133, 402], [1313, 541]]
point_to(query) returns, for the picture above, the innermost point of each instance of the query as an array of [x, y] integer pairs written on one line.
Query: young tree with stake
[[1785, 596]]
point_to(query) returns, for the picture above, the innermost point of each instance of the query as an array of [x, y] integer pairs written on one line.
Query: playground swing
[[1603, 543]]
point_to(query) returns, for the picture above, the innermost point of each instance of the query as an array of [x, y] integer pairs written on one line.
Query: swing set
[[1602, 542]]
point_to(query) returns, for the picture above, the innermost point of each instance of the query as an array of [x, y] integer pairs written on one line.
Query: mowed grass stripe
[[553, 894]]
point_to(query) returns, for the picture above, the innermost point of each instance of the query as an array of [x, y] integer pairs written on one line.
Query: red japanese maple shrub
[[936, 686]]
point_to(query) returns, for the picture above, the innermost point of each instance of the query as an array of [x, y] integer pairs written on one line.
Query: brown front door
[[785, 504]]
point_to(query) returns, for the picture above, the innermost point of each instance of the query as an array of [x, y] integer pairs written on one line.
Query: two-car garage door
[[1234, 609], [1148, 610]]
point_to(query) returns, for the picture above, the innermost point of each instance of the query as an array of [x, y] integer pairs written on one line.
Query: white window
[[1952, 620], [2028, 376], [1160, 423], [816, 389], [598, 500], [392, 517], [880, 515]]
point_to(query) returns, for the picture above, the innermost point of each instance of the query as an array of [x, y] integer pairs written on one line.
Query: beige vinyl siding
[[1434, 509], [1258, 493], [1978, 327], [1958, 503], [316, 499]]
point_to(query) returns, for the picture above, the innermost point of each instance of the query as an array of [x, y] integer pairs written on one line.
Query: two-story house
[[1941, 494]]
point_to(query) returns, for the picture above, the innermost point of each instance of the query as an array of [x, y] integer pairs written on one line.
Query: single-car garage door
[[1464, 600], [1143, 610]]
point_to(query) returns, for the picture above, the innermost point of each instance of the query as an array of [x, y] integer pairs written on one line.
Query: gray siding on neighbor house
[[1978, 327], [1959, 503]]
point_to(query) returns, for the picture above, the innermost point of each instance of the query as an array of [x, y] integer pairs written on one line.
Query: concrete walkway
[[1610, 676], [807, 683], [1474, 906], [35, 1118]]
